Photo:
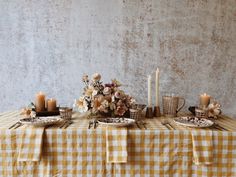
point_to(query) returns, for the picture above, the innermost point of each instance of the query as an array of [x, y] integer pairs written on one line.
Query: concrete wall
[[48, 45]]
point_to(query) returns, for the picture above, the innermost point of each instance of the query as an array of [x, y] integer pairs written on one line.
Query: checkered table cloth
[[78, 151]]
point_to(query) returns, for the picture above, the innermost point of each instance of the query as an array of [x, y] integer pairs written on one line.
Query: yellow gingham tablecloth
[[78, 151]]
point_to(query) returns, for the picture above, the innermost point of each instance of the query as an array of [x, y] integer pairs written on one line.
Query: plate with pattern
[[116, 122], [193, 122], [42, 121]]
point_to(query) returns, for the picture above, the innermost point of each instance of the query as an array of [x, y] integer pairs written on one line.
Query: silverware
[[219, 127], [68, 124], [138, 125], [95, 124], [171, 126], [17, 126], [90, 124], [167, 125], [62, 125], [17, 123], [144, 124]]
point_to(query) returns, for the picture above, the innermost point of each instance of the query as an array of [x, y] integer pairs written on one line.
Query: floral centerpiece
[[107, 99]]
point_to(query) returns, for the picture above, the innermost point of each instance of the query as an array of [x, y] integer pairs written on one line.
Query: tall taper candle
[[149, 91], [157, 87]]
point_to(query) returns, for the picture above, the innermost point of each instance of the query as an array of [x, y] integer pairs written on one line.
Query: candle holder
[[201, 113], [149, 113], [48, 113], [157, 112]]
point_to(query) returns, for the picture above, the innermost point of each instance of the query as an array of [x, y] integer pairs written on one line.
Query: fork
[[95, 124], [217, 126], [64, 123], [20, 124], [167, 124], [67, 124]]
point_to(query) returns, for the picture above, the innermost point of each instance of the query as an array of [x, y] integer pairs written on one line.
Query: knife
[[171, 126], [138, 125], [14, 125], [90, 123], [95, 124]]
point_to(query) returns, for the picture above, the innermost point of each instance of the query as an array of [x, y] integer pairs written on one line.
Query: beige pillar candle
[[40, 101], [46, 104], [52, 104], [205, 100]]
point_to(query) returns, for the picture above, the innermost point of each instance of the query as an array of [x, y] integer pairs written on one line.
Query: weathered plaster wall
[[47, 45]]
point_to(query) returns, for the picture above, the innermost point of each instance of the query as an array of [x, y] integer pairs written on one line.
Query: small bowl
[[136, 111], [138, 106], [65, 112]]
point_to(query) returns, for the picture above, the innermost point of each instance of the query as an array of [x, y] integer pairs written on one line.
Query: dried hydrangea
[[101, 98]]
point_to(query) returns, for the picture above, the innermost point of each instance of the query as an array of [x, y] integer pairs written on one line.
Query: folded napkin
[[202, 147], [31, 144], [116, 145]]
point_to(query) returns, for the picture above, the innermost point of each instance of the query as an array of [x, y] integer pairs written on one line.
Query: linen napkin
[[116, 145], [202, 147], [31, 144]]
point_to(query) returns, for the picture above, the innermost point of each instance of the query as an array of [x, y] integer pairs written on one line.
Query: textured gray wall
[[49, 44]]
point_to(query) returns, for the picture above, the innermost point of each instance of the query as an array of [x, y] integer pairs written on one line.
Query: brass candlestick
[[157, 112], [149, 113]]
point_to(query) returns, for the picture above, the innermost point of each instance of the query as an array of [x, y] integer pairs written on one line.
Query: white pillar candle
[[157, 87], [149, 91]]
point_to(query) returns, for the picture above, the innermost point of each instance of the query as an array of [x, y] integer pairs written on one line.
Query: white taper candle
[[149, 91], [157, 86]]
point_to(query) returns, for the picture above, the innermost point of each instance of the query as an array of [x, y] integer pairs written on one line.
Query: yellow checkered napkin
[[202, 147], [116, 145], [31, 144]]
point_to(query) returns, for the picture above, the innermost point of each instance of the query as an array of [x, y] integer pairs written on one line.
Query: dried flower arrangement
[[107, 99]]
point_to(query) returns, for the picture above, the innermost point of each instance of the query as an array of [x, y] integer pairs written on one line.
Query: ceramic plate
[[116, 122], [42, 121], [193, 122]]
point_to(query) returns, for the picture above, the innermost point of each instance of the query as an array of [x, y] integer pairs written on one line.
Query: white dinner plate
[[193, 122], [116, 122], [42, 121]]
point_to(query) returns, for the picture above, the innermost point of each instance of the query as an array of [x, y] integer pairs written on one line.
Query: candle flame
[[40, 93]]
